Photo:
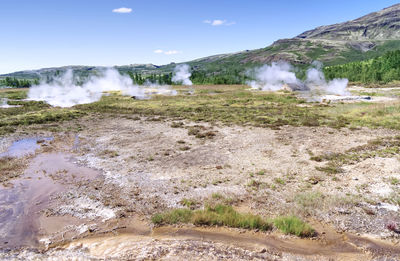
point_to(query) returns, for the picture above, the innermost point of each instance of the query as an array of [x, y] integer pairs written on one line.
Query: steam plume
[[182, 74], [3, 103], [273, 77], [278, 75], [64, 92], [317, 82]]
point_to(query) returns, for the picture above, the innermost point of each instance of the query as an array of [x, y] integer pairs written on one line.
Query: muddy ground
[[91, 194]]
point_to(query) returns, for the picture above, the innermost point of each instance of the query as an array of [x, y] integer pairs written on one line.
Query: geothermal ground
[[111, 179]]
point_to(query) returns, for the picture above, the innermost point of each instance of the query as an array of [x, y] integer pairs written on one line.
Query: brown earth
[[145, 166]]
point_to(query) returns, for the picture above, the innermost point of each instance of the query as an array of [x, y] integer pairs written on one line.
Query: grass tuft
[[181, 215], [220, 215], [294, 226], [225, 215]]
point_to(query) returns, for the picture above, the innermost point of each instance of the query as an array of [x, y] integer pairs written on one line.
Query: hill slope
[[382, 25], [362, 38]]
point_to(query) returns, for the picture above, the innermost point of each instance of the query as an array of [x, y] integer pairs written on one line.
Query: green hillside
[[383, 69]]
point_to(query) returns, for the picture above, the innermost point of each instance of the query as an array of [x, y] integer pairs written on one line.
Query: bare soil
[[148, 165]]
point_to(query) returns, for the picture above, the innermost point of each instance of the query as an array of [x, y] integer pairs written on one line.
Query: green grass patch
[[188, 203], [31, 112], [394, 181], [331, 168], [225, 215], [243, 107], [294, 226], [219, 215], [227, 104], [14, 94], [381, 147], [39, 117], [237, 106], [174, 216], [279, 181]]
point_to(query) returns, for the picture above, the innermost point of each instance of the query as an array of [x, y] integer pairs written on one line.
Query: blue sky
[[47, 33]]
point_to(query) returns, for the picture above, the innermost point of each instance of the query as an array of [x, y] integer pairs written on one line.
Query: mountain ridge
[[386, 20]]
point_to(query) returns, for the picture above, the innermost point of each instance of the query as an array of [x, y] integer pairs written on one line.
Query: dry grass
[[10, 168], [381, 147]]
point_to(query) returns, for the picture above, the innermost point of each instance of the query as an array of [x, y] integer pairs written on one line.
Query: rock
[[343, 211]]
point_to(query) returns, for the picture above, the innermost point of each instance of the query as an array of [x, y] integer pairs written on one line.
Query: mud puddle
[[331, 244], [24, 147], [23, 199]]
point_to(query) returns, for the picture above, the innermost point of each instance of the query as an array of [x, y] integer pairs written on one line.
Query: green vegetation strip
[[30, 112], [381, 147], [383, 69], [293, 225], [263, 109], [227, 104], [224, 215]]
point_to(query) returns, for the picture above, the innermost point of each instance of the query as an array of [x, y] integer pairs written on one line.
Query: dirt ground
[[117, 172]]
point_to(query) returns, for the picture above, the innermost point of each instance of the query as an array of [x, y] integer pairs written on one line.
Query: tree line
[[197, 77], [18, 83], [383, 69], [140, 79], [226, 77]]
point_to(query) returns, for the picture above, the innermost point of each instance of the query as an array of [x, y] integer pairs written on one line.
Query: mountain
[[363, 38], [382, 25], [366, 37]]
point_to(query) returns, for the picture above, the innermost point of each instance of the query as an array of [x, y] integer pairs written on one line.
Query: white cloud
[[170, 52], [122, 10], [218, 22]]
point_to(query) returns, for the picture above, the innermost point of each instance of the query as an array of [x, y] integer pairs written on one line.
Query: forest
[[18, 83], [383, 69]]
